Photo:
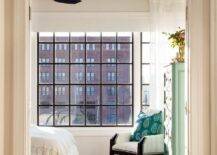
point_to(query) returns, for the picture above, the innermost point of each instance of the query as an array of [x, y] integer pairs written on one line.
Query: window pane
[[146, 55], [77, 53], [45, 95], [62, 37], [61, 74], [77, 115], [145, 95], [45, 37], [77, 94], [61, 53], [77, 37], [124, 54], [45, 53], [124, 74], [92, 95], [125, 95], [70, 75], [109, 74], [93, 53], [109, 53], [45, 115], [109, 95], [124, 37], [77, 74], [109, 37], [109, 115], [45, 74], [146, 74], [124, 115], [146, 36], [93, 37], [61, 115], [61, 95], [93, 74], [92, 115]]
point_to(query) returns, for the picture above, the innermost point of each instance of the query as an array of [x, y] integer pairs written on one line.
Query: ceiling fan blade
[[68, 1]]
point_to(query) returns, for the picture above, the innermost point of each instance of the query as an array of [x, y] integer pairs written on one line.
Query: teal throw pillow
[[148, 125]]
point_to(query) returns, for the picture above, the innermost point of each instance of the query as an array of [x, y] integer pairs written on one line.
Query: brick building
[[93, 75]]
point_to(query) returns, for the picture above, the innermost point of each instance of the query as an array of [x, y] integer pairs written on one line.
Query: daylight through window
[[85, 79]]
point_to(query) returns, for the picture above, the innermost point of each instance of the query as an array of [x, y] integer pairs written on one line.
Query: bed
[[52, 141]]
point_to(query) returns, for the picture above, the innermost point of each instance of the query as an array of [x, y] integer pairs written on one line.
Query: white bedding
[[52, 141]]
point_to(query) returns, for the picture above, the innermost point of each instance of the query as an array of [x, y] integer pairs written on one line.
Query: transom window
[[85, 79]]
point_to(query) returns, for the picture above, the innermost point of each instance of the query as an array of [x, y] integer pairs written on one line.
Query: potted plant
[[177, 40]]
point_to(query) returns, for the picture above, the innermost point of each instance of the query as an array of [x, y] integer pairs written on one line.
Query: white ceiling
[[91, 6]]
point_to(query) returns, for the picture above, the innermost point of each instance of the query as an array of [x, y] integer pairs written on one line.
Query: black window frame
[[143, 106], [116, 84]]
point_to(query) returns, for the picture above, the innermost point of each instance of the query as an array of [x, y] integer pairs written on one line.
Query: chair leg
[[140, 146]]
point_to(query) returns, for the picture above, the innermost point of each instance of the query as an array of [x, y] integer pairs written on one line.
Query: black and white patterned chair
[[120, 144]]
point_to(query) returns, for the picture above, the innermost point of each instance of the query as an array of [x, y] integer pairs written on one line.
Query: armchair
[[120, 144]]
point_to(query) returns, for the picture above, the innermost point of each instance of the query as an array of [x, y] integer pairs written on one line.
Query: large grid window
[[85, 79], [145, 69]]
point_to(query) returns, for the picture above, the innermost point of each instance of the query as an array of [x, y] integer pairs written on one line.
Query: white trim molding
[[20, 43], [213, 74], [2, 79], [199, 77]]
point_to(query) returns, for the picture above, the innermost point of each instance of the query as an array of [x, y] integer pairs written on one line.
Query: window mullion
[[116, 70], [101, 79], [85, 80], [54, 88], [69, 46]]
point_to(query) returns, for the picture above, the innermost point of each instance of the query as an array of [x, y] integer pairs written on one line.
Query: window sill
[[98, 132]]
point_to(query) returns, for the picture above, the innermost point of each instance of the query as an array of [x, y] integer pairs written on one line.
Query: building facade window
[[44, 91], [60, 91], [91, 47], [45, 47], [111, 60], [89, 87], [79, 76], [119, 46], [111, 91], [111, 76], [90, 76], [79, 90], [110, 47], [90, 60], [90, 90], [79, 60]]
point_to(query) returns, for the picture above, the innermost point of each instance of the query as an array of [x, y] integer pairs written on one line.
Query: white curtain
[[166, 16]]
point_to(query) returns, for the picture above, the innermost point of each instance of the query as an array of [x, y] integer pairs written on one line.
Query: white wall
[[166, 16], [95, 141], [89, 21], [90, 15], [92, 6]]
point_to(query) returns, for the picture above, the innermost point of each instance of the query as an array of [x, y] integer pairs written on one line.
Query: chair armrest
[[119, 138], [113, 141], [123, 137], [153, 144]]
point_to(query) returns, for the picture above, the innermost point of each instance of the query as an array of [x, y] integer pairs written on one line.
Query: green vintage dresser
[[174, 109]]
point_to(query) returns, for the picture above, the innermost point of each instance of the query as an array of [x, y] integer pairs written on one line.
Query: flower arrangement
[[177, 40]]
